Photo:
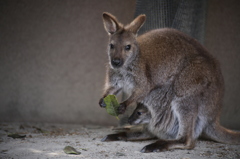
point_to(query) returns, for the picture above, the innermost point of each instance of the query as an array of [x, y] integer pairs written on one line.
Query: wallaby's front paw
[[115, 137], [102, 103], [155, 147], [122, 108]]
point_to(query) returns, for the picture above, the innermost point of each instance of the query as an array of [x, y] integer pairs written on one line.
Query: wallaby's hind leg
[[187, 141], [186, 136], [220, 134], [128, 136], [163, 145]]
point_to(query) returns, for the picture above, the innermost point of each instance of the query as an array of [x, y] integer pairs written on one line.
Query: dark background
[[53, 57]]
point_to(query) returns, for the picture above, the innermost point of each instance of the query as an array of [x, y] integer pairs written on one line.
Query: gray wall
[[223, 40], [53, 56], [52, 59]]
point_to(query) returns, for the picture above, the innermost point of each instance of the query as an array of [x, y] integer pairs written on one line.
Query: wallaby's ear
[[137, 23], [111, 23]]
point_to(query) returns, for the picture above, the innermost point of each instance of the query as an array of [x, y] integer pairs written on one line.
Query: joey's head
[[140, 115], [122, 45]]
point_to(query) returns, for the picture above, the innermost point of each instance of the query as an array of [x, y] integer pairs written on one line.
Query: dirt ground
[[48, 141]]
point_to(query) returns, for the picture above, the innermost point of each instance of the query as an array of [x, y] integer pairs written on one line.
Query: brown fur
[[174, 76]]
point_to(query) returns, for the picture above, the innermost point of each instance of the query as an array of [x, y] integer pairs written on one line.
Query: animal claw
[[102, 103]]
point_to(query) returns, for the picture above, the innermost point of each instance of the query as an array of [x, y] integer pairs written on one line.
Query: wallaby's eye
[[139, 113], [127, 47], [111, 46]]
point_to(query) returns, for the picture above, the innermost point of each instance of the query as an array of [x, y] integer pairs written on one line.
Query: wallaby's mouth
[[131, 121], [116, 62]]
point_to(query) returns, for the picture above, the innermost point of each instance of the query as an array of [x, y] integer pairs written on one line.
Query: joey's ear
[[137, 23], [111, 23]]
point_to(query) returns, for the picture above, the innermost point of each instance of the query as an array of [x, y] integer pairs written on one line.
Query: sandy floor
[[49, 140]]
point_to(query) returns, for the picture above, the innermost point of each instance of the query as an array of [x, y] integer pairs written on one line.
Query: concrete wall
[[53, 56]]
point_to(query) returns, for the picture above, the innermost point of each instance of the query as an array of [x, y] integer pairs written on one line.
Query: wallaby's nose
[[116, 62]]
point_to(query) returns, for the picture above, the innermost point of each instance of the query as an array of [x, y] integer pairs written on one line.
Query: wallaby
[[140, 115], [171, 74]]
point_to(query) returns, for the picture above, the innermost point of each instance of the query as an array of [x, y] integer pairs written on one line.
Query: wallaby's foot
[[162, 145], [115, 137], [102, 103], [122, 108], [157, 146]]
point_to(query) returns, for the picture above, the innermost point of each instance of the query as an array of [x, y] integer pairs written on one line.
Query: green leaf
[[111, 105], [16, 136], [71, 150]]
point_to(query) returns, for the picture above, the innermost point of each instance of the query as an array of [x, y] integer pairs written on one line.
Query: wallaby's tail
[[218, 133]]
